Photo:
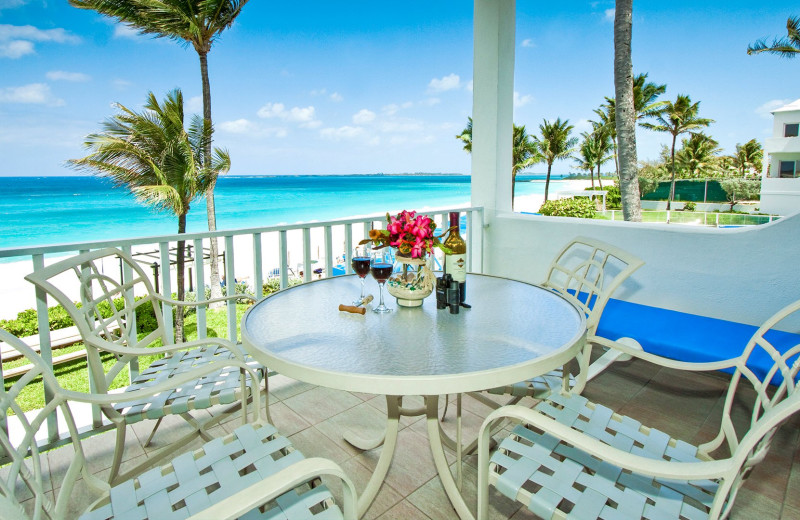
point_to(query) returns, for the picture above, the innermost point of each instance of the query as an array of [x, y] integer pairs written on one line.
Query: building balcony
[[775, 145], [743, 275]]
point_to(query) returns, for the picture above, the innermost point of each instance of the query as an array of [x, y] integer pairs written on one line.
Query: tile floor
[[313, 418]]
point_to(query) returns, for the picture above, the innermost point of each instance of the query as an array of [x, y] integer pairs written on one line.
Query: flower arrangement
[[412, 234]]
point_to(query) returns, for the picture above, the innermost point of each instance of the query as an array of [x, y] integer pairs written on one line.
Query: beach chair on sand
[[234, 476], [107, 320]]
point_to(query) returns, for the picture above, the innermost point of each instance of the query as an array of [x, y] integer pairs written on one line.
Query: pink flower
[[417, 251], [394, 227]]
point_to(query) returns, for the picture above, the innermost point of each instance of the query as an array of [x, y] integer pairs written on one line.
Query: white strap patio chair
[[112, 342], [586, 272], [252, 472], [572, 458]]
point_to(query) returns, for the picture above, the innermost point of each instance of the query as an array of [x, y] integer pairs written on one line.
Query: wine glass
[[381, 269], [360, 262]]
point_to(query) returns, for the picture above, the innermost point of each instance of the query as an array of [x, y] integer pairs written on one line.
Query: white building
[[780, 185]]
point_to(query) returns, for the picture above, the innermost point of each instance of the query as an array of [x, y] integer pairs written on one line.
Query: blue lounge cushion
[[689, 337]]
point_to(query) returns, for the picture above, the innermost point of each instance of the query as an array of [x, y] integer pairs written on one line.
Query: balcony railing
[[262, 240]]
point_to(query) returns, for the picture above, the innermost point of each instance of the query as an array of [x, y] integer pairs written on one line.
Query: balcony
[[719, 273]]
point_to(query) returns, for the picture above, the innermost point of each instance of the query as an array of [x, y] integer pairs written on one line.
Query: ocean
[[56, 210]]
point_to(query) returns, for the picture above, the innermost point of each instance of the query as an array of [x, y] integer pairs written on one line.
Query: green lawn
[[74, 376]]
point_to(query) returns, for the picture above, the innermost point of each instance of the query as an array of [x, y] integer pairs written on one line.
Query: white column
[[493, 104]]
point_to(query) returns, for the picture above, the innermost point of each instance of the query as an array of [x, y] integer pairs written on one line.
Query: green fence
[[690, 190], [697, 218]]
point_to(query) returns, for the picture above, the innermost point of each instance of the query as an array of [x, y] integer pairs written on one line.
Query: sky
[[375, 87]]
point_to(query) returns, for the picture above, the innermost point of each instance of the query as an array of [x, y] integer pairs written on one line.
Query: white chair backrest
[[23, 477], [107, 316], [587, 272], [772, 394]]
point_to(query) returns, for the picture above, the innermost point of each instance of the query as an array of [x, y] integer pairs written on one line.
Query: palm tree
[[787, 47], [524, 151], [699, 156], [625, 111], [587, 156], [554, 143], [748, 156], [195, 22], [678, 118], [159, 161]]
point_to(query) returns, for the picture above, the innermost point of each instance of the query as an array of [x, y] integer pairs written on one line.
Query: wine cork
[[353, 309]]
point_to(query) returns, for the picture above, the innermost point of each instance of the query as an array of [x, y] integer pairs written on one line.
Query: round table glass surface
[[301, 333]]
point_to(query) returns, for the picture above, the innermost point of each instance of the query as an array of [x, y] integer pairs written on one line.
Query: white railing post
[[127, 275], [283, 259], [307, 271], [43, 321], [348, 246], [166, 291], [200, 284], [230, 285], [258, 267], [328, 251]]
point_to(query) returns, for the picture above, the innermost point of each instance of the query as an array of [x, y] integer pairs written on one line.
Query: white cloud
[[363, 117], [343, 132], [239, 126], [194, 104], [449, 82], [521, 101], [121, 84], [35, 93], [17, 40], [125, 31], [402, 126], [429, 102], [766, 109], [336, 97], [63, 75], [528, 43], [247, 127], [31, 33], [304, 116], [16, 49], [469, 85], [609, 14]]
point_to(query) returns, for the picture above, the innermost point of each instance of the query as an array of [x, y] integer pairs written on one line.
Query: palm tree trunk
[[672, 179], [513, 188], [625, 112], [179, 336], [591, 175], [216, 290], [547, 180], [599, 180]]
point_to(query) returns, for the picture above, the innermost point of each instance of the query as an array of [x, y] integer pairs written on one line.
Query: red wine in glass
[[382, 272], [360, 262], [361, 266]]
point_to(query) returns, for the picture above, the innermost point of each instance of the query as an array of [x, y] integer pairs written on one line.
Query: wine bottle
[[455, 262]]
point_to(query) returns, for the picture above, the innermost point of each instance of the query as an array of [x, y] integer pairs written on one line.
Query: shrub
[[580, 207], [26, 323], [689, 206], [272, 285]]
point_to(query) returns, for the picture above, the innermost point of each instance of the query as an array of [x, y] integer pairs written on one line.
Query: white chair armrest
[[180, 303], [601, 450], [275, 485]]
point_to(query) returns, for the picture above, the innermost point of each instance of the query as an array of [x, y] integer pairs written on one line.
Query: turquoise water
[[57, 210]]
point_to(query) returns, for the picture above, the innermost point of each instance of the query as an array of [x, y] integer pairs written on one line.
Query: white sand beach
[[16, 294]]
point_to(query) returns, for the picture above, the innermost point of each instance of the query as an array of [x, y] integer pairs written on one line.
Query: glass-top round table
[[514, 331]]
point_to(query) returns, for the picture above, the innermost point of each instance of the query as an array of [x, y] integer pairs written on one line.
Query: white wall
[[738, 274]]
